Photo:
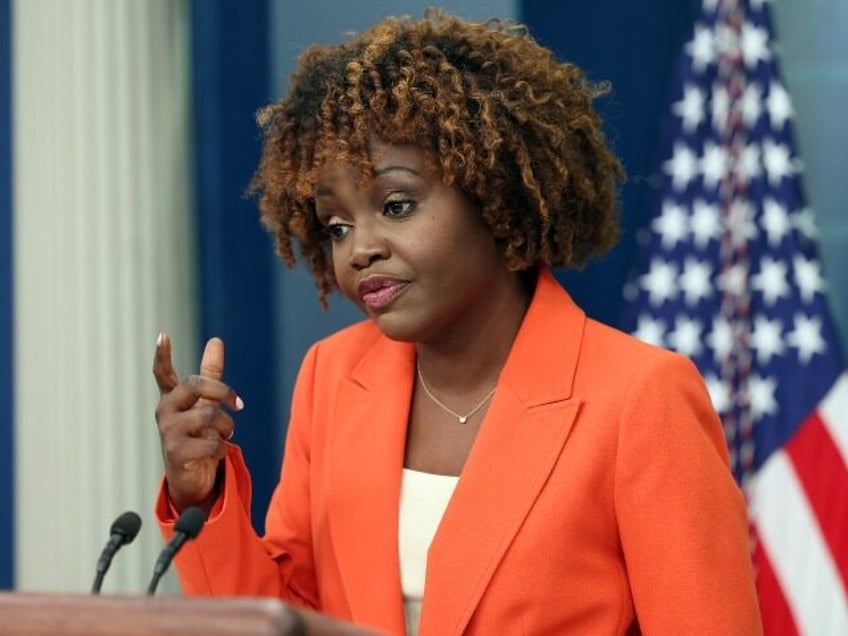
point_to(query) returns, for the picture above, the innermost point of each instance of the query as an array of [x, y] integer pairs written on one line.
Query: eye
[[337, 231], [399, 208]]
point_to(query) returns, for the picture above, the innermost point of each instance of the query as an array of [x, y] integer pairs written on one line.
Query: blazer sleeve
[[228, 558], [681, 516]]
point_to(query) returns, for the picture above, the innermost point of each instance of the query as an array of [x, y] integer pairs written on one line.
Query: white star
[[775, 221], [650, 330], [740, 222], [748, 163], [682, 167], [706, 223], [686, 337], [761, 396], [695, 280], [778, 161], [719, 393], [808, 277], [757, 5], [771, 280], [711, 5], [779, 106], [691, 108], [806, 337], [751, 104], [720, 107], [713, 164], [660, 282], [702, 48], [766, 338], [671, 224], [734, 280], [805, 222], [754, 45], [721, 339]]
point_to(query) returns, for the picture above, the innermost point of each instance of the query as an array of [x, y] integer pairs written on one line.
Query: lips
[[378, 292]]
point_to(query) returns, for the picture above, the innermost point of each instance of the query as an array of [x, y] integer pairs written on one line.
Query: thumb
[[212, 361]]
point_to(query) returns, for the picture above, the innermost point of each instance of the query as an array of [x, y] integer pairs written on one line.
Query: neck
[[470, 357]]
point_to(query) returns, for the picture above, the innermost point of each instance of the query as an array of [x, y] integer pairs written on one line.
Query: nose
[[367, 246]]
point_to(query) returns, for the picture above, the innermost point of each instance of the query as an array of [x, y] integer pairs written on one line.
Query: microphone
[[187, 527], [123, 531]]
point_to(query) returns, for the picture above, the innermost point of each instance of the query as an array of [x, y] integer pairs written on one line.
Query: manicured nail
[[230, 436], [160, 338], [239, 404]]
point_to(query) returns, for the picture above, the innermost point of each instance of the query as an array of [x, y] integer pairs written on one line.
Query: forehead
[[382, 157]]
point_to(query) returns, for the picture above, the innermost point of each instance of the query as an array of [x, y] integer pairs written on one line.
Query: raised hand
[[193, 428]]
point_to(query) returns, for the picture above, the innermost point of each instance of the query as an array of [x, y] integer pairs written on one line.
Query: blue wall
[[7, 499]]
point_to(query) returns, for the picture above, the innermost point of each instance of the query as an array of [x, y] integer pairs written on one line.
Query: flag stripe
[[782, 517], [824, 477], [834, 414], [777, 618]]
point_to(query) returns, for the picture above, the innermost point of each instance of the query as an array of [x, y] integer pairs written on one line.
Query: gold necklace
[[462, 418]]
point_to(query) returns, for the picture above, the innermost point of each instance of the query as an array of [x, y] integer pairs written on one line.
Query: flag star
[[748, 163], [686, 336], [719, 393], [682, 167], [671, 224], [778, 161], [690, 109], [775, 221], [650, 330], [805, 222], [766, 338], [660, 282], [808, 277], [713, 164], [806, 337], [721, 339], [757, 5], [734, 280], [761, 396], [754, 45], [771, 280], [779, 106], [695, 280], [740, 222], [711, 5], [706, 223], [720, 107], [751, 104], [701, 48]]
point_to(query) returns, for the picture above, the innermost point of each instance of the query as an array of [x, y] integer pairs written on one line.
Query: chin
[[395, 327]]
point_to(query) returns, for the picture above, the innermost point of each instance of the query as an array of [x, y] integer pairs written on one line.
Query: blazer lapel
[[366, 458], [516, 449]]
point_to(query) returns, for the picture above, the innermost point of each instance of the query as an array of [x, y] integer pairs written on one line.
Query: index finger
[[163, 368]]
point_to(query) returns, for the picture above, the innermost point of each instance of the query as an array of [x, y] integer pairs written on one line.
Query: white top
[[423, 499]]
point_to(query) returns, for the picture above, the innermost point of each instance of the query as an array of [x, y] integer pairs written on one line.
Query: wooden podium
[[25, 614]]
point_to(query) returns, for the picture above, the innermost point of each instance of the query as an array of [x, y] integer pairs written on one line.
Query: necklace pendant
[[463, 419]]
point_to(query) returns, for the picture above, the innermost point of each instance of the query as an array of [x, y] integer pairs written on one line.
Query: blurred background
[[127, 139]]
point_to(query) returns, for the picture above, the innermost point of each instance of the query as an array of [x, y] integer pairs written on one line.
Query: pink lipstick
[[378, 292]]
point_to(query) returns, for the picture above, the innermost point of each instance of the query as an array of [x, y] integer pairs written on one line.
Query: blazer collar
[[518, 444]]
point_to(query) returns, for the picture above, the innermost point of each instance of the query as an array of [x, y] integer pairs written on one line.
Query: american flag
[[728, 274]]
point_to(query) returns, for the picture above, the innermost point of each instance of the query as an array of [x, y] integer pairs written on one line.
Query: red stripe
[[824, 477], [777, 618]]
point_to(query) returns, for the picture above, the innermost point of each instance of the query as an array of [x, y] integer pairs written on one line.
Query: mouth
[[378, 292]]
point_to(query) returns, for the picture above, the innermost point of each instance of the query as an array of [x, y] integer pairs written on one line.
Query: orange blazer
[[597, 497]]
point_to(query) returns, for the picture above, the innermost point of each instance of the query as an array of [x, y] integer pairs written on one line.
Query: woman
[[477, 456]]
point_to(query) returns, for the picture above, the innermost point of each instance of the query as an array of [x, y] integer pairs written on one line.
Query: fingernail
[[160, 338], [239, 404], [230, 436]]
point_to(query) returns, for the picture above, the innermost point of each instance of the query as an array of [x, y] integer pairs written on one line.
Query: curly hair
[[502, 119]]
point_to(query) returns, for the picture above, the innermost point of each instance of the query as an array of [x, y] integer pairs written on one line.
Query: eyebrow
[[391, 168]]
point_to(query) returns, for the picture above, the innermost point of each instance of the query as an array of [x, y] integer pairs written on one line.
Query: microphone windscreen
[[190, 522], [127, 525]]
